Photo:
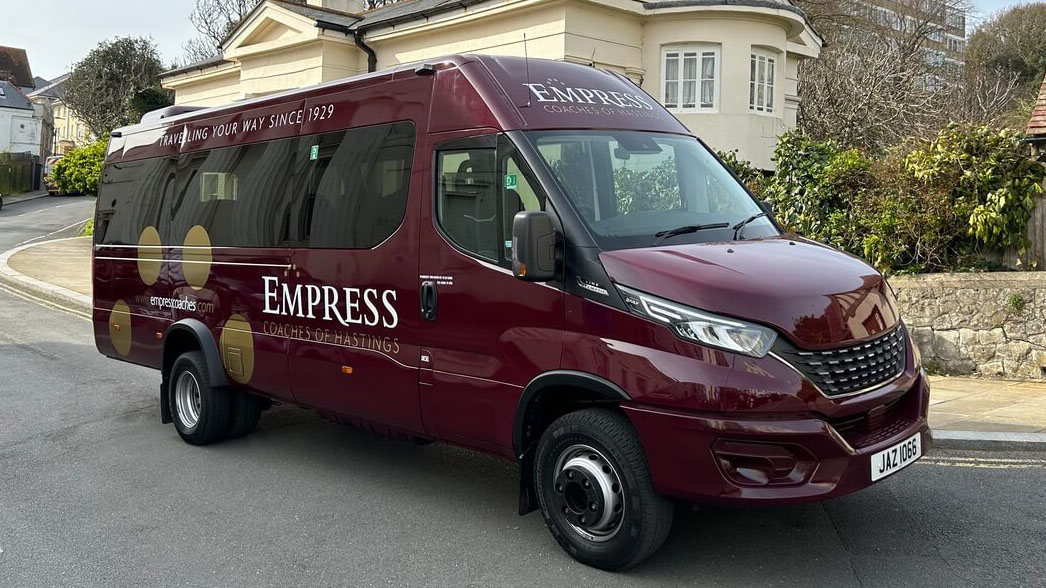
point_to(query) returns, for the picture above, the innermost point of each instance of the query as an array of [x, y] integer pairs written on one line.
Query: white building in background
[[727, 68]]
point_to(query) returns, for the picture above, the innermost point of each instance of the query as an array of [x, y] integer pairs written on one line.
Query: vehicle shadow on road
[[832, 541]]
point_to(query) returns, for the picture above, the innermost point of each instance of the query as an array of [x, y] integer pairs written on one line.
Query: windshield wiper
[[662, 235], [739, 227]]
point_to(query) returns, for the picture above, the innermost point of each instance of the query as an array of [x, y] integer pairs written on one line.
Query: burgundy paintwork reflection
[[815, 295]]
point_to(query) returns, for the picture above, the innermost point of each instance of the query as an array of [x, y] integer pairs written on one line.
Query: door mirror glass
[[533, 246]]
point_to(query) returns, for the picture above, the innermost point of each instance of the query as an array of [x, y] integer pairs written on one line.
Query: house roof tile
[[14, 67], [54, 89], [1037, 124], [12, 97]]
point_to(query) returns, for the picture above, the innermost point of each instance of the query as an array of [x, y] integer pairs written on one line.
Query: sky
[[58, 33]]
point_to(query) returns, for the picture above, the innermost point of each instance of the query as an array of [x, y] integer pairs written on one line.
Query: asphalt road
[[32, 220], [94, 491]]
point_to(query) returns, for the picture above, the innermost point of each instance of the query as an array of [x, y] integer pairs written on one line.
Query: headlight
[[699, 326]]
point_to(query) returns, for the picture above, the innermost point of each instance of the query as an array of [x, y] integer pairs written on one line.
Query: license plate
[[897, 457]]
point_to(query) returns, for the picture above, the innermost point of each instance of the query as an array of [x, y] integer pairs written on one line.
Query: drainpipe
[[357, 36], [372, 57]]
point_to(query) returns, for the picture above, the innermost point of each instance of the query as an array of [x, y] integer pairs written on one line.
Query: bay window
[[762, 81], [690, 78]]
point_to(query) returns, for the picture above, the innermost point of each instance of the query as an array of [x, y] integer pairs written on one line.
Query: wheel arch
[[188, 335], [569, 386], [547, 397]]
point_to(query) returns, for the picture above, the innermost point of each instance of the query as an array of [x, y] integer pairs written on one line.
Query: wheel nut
[[570, 475], [593, 507], [559, 488], [586, 484], [581, 520]]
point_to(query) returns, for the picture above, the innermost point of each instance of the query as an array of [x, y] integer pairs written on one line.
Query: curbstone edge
[[50, 293]]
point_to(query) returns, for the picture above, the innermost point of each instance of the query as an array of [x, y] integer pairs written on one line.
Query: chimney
[[352, 6]]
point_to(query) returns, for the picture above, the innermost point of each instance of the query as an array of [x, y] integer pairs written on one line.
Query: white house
[[727, 68]]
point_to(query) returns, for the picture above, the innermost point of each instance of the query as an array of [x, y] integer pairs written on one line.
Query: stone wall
[[992, 324]]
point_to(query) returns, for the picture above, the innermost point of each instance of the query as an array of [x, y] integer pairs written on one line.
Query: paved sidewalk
[[16, 198], [65, 263], [60, 271], [976, 404]]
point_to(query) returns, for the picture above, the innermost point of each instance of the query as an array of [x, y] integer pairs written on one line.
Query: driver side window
[[479, 190]]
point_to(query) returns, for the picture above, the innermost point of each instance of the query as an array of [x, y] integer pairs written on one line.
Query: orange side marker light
[[347, 370]]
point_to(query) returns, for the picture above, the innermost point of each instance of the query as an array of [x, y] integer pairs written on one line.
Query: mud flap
[[528, 501], [165, 404]]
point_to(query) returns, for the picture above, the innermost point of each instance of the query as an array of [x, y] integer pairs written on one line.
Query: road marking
[[992, 463], [52, 305], [51, 233]]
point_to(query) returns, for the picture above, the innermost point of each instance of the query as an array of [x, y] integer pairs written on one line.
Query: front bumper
[[690, 456]]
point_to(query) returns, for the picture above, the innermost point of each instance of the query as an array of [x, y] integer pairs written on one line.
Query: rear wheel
[[246, 410], [596, 493], [200, 409]]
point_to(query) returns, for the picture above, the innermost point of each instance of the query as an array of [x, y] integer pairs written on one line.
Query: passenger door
[[484, 333], [353, 349]]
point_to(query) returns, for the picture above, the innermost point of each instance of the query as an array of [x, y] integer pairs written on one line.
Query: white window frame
[[771, 60], [698, 51]]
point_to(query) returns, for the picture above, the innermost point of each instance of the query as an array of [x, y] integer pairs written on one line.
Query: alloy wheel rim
[[588, 494], [187, 399]]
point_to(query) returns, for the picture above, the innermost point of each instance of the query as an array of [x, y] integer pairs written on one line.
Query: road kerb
[[989, 441], [74, 301]]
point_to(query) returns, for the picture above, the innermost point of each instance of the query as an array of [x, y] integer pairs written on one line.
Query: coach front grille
[[845, 370]]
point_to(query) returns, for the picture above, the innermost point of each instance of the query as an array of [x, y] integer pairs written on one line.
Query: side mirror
[[533, 246]]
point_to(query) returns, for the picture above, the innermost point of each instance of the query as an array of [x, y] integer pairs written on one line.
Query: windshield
[[640, 189]]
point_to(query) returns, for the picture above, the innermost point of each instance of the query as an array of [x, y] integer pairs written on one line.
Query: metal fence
[[17, 172]]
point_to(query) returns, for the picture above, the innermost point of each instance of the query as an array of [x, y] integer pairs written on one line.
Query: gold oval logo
[[150, 256], [120, 327], [197, 257], [237, 345]]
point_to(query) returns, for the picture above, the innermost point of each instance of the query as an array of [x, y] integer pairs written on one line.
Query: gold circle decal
[[237, 344], [197, 257], [120, 327], [150, 256]]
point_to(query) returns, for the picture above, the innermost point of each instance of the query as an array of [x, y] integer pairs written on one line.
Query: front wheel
[[596, 493]]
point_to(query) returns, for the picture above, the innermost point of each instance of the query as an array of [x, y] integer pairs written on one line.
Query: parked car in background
[[49, 164]]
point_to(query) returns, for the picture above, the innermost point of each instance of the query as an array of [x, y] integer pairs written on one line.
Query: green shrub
[[818, 188], [88, 229], [930, 205], [749, 174], [80, 169]]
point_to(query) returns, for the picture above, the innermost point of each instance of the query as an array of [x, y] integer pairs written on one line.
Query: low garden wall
[[991, 324]]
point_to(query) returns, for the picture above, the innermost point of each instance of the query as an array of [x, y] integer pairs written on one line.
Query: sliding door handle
[[428, 301]]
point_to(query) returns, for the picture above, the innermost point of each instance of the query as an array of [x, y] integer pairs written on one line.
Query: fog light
[[763, 464]]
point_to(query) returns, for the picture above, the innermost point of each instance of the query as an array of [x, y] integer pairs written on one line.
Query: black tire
[[246, 410], [645, 517], [214, 406]]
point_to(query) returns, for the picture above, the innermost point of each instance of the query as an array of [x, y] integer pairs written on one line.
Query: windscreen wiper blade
[[662, 235], [739, 227]]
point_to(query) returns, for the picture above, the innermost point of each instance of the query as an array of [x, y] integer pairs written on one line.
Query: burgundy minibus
[[529, 258]]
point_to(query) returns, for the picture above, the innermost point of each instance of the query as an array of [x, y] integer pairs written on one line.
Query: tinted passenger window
[[239, 194], [346, 189], [129, 200], [356, 193]]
